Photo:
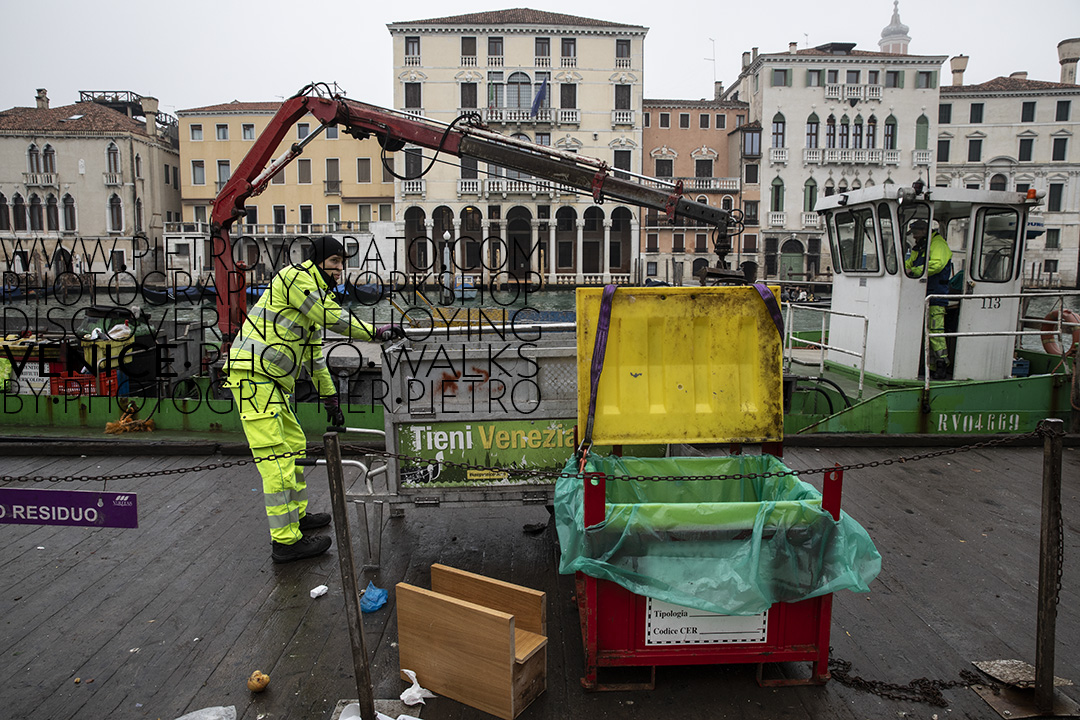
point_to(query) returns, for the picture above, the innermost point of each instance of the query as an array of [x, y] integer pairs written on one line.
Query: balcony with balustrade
[[569, 116], [114, 179], [622, 63], [468, 187], [468, 61], [532, 187], [843, 91], [542, 61], [696, 184], [497, 115], [42, 179], [622, 117], [412, 61], [777, 219], [811, 220], [922, 158], [414, 188], [495, 61], [850, 156], [568, 61], [778, 155]]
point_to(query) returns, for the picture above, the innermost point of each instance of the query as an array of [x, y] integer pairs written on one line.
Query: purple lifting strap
[[774, 309], [603, 324]]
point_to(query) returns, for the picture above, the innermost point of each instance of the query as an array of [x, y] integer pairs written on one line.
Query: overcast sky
[[202, 52]]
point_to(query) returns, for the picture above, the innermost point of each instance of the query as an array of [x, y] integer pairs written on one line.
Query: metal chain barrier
[[554, 475], [154, 473], [524, 472]]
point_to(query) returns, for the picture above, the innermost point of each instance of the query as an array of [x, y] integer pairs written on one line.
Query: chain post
[[1050, 560]]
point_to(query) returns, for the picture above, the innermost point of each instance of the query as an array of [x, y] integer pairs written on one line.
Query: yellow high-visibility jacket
[[283, 331]]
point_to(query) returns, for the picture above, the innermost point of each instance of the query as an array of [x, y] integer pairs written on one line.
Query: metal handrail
[[825, 313], [992, 333]]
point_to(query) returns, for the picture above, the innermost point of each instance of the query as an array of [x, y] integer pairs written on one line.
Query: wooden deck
[[173, 616]]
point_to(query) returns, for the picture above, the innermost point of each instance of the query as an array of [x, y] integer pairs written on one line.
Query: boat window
[[856, 238], [909, 216], [834, 252], [888, 237], [995, 244]]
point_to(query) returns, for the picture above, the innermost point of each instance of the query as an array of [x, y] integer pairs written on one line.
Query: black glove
[[334, 416], [389, 332]]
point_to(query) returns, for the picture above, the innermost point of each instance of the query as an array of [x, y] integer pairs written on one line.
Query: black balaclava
[[322, 248]]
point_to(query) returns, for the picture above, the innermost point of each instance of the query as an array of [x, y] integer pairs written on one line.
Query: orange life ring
[[1050, 340]]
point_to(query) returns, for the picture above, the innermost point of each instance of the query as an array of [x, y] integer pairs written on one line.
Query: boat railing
[[1023, 322], [823, 344]]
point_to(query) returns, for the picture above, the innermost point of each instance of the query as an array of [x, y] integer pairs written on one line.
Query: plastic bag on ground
[[211, 713], [414, 695], [372, 599], [731, 546]]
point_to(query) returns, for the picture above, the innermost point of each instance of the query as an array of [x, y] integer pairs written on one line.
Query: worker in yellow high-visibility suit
[[281, 335], [938, 261]]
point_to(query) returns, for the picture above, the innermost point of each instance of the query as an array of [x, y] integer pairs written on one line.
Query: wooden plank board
[[526, 605], [457, 648]]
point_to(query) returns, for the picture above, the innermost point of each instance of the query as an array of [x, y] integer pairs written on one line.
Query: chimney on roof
[[792, 48], [959, 65], [718, 90], [753, 53], [1018, 75], [42, 99], [746, 59], [1068, 55], [150, 111]]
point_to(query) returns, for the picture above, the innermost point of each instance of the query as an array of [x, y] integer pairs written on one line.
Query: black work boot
[[941, 370], [304, 548], [312, 521]]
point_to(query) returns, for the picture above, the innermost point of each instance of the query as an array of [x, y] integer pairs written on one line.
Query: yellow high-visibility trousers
[[271, 429]]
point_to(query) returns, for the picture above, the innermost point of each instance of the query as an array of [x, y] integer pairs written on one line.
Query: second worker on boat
[[937, 260]]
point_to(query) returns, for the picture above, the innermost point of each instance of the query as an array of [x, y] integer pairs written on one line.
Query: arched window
[[48, 160], [112, 158], [138, 215], [845, 133], [779, 126], [726, 202], [776, 198], [518, 91], [116, 214], [37, 214], [922, 133], [52, 214], [889, 140], [33, 159], [594, 219], [69, 214], [830, 132], [809, 195], [998, 182], [812, 127], [138, 166], [5, 215], [471, 220], [19, 211], [857, 133], [871, 132]]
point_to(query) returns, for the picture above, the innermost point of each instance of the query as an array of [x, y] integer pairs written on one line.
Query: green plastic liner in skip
[[730, 546]]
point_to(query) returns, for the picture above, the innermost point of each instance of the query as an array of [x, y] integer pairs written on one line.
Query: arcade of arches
[[524, 242]]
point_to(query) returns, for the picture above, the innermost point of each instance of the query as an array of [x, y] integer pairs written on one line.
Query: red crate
[[70, 383], [613, 621]]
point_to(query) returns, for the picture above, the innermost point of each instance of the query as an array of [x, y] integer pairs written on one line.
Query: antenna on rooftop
[[713, 59]]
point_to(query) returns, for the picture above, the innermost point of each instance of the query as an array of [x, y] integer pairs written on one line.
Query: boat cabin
[[870, 235]]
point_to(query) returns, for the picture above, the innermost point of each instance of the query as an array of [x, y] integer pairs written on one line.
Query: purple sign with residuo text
[[83, 508]]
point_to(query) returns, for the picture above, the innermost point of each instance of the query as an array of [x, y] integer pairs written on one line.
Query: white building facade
[[1012, 133], [571, 82], [822, 121]]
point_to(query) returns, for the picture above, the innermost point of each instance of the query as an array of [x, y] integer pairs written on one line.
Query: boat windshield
[[856, 239], [996, 233]]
